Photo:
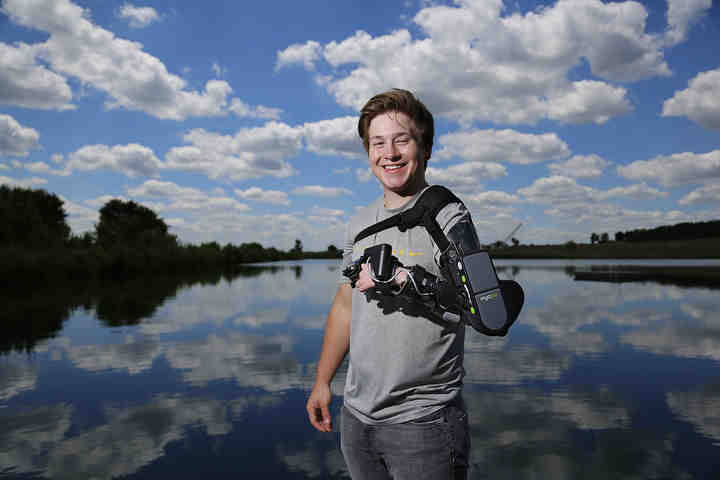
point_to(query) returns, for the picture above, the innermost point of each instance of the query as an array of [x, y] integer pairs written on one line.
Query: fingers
[[327, 421], [364, 281], [314, 415], [401, 277], [319, 415]]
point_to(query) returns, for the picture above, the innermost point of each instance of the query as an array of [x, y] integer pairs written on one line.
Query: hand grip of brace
[[382, 262]]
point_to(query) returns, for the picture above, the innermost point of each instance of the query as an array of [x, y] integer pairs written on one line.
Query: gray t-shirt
[[405, 362]]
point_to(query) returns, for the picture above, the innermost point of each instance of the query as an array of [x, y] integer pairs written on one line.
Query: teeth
[[392, 167]]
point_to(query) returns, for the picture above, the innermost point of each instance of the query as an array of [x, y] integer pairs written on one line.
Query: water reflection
[[181, 376]]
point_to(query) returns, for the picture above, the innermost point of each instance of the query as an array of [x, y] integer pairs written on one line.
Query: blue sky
[[236, 121]]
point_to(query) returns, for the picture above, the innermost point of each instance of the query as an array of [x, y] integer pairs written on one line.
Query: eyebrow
[[392, 135]]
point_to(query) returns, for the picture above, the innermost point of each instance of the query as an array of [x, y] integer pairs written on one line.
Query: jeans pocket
[[437, 418]]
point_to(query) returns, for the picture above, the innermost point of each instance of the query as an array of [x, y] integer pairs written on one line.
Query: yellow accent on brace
[[410, 253]]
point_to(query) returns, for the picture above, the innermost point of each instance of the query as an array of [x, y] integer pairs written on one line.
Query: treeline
[[36, 239], [679, 231]]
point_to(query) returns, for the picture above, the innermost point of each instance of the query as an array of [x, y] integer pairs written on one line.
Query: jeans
[[435, 447]]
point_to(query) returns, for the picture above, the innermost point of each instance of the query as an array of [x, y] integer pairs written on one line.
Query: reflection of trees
[[28, 319], [682, 276]]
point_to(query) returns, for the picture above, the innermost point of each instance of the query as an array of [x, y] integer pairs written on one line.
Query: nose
[[391, 151]]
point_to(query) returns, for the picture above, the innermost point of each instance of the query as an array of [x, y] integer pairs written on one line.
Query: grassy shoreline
[[706, 248], [50, 264]]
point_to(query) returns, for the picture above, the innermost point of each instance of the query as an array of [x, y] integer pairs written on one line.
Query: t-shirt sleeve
[[452, 214], [347, 254]]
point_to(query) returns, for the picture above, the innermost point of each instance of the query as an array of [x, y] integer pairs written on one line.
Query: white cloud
[[492, 209], [139, 17], [511, 69], [16, 378], [502, 146], [706, 194], [81, 218], [326, 212], [31, 182], [565, 195], [637, 191], [557, 189], [493, 197], [275, 197], [131, 159], [700, 101], [676, 169], [42, 167], [26, 83], [16, 140], [320, 191], [581, 166], [306, 54], [588, 101], [98, 202], [132, 78], [334, 137], [242, 109], [681, 15], [468, 174], [701, 407], [250, 153], [185, 199]]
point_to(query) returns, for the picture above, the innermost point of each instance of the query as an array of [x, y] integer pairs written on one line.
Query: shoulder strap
[[432, 200]]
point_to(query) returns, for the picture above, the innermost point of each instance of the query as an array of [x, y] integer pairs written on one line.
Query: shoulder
[[453, 209]]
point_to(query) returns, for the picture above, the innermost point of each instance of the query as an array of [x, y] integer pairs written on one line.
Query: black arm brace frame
[[490, 310]]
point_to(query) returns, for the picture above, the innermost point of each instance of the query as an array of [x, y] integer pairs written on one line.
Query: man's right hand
[[318, 407]]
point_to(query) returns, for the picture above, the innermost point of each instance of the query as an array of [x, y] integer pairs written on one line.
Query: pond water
[[165, 377]]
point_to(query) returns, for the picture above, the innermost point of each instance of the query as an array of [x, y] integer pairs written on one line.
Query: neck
[[396, 199]]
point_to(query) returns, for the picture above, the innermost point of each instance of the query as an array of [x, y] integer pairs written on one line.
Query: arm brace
[[434, 292]]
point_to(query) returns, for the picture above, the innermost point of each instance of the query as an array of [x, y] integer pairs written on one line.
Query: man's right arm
[[336, 344]]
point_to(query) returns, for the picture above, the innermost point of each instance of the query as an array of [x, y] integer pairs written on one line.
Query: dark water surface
[[176, 378]]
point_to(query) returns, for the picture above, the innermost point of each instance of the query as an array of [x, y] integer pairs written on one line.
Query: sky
[[237, 121]]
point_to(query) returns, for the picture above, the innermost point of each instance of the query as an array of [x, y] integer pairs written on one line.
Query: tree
[[594, 237], [31, 218], [298, 248], [604, 238], [515, 241], [131, 224]]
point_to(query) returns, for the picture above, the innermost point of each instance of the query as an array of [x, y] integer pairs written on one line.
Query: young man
[[403, 416]]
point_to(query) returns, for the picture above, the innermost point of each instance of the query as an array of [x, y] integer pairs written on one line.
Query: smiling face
[[396, 157]]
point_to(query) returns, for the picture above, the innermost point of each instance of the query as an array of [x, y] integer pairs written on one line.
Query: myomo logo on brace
[[488, 297], [410, 253]]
